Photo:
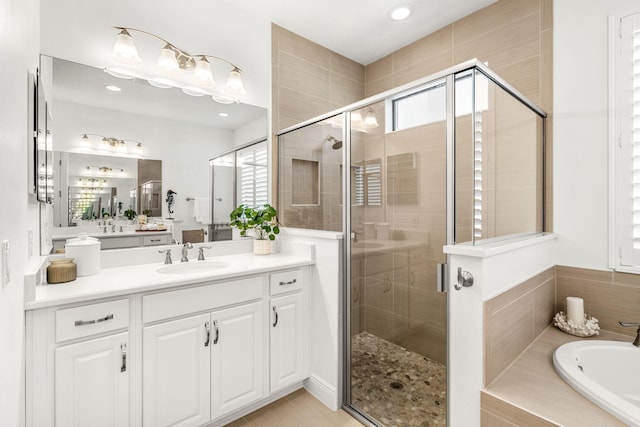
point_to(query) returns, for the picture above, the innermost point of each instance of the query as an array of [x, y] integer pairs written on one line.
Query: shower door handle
[[465, 279], [442, 278]]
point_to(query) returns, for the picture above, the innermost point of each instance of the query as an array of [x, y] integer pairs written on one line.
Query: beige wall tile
[[500, 13], [436, 62], [489, 419], [347, 68], [296, 107], [546, 70], [524, 75], [303, 48], [626, 279], [585, 274], [544, 309], [509, 413], [303, 77], [503, 45], [423, 49], [546, 18], [383, 67], [525, 287], [608, 302], [344, 91]]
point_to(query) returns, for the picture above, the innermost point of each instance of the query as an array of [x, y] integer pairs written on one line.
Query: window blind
[[252, 166]]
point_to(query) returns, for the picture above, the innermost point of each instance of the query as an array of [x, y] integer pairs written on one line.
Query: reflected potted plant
[[130, 214], [261, 221]]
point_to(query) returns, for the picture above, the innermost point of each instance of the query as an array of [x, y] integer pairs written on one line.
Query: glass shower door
[[398, 318]]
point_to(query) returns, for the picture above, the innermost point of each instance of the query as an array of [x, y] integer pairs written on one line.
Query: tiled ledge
[[530, 390]]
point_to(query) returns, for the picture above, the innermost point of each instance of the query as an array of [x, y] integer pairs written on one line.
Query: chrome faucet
[[113, 228], [636, 342], [201, 253], [185, 252], [167, 258]]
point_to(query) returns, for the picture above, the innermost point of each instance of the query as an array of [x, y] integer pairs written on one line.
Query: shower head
[[337, 144]]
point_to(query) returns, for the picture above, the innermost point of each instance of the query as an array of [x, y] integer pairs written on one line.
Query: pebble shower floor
[[396, 386]]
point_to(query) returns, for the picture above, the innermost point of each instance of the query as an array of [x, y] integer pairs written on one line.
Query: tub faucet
[[201, 253], [185, 252], [113, 228], [636, 342]]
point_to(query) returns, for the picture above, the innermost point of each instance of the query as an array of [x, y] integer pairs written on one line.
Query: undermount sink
[[366, 245], [605, 372], [192, 267]]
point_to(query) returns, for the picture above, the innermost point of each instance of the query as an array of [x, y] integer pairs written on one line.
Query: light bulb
[[139, 148], [234, 83], [167, 62], [356, 117], [370, 119], [124, 50], [202, 74]]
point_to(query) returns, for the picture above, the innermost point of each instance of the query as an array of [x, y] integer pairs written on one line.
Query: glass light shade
[[84, 141], [356, 117], [234, 83], [139, 148], [370, 119], [124, 50], [202, 74], [167, 63], [193, 92]]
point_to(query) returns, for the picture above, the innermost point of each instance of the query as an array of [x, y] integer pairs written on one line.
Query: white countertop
[[118, 281]]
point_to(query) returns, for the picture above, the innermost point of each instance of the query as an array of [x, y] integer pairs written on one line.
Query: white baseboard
[[324, 392]]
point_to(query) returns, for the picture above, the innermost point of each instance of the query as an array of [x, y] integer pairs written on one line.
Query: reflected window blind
[[636, 137], [253, 177], [373, 173], [477, 177]]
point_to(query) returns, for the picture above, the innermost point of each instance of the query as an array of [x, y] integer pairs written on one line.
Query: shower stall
[[456, 158]]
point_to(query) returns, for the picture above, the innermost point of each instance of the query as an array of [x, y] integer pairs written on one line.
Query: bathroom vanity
[[153, 344], [119, 240]]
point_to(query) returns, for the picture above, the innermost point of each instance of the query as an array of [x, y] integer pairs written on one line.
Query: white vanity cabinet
[[78, 363], [92, 383], [183, 355], [288, 330], [202, 367]]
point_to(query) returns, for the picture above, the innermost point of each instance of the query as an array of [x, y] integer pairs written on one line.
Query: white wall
[[184, 148], [251, 132], [19, 46], [580, 144]]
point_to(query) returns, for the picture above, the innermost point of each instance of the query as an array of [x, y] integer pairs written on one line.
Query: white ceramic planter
[[261, 247]]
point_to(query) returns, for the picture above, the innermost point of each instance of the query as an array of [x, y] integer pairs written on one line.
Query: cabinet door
[[237, 357], [175, 373], [92, 383], [288, 341]]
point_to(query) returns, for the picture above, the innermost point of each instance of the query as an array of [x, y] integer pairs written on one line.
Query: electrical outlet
[[6, 275]]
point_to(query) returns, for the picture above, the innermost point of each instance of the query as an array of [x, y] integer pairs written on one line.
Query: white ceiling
[[360, 29]]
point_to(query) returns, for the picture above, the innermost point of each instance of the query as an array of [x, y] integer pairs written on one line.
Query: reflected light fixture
[[174, 62], [109, 143], [113, 88], [370, 119]]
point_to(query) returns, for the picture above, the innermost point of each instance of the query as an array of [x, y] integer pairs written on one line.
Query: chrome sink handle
[[167, 258], [636, 342], [201, 252]]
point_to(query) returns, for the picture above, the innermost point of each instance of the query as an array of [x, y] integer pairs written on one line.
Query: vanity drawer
[[86, 320], [119, 242], [166, 305], [285, 281], [156, 240]]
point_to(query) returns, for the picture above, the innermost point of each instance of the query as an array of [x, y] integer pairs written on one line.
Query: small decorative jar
[[61, 270]]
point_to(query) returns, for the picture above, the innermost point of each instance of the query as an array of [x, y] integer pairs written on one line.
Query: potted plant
[[261, 220], [130, 214]]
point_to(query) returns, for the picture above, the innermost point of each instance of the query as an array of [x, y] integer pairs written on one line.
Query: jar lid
[[83, 240]]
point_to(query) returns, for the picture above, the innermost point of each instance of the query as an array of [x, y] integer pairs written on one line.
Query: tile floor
[[396, 386], [299, 409]]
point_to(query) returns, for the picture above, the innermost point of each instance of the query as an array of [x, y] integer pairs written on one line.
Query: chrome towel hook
[[464, 279]]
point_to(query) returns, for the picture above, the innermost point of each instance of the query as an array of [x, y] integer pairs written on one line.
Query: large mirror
[[109, 130]]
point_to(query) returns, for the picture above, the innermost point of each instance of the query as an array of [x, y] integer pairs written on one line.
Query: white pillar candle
[[575, 310]]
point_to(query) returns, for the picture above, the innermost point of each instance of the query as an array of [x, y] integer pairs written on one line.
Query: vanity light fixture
[[174, 62], [111, 144], [401, 12]]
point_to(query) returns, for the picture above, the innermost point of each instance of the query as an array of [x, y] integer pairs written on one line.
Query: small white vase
[[262, 247]]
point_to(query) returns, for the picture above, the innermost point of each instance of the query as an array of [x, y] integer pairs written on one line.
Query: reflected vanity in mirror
[[107, 127]]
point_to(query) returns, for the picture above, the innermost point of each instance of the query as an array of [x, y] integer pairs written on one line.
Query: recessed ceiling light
[[223, 114], [401, 12], [112, 88]]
